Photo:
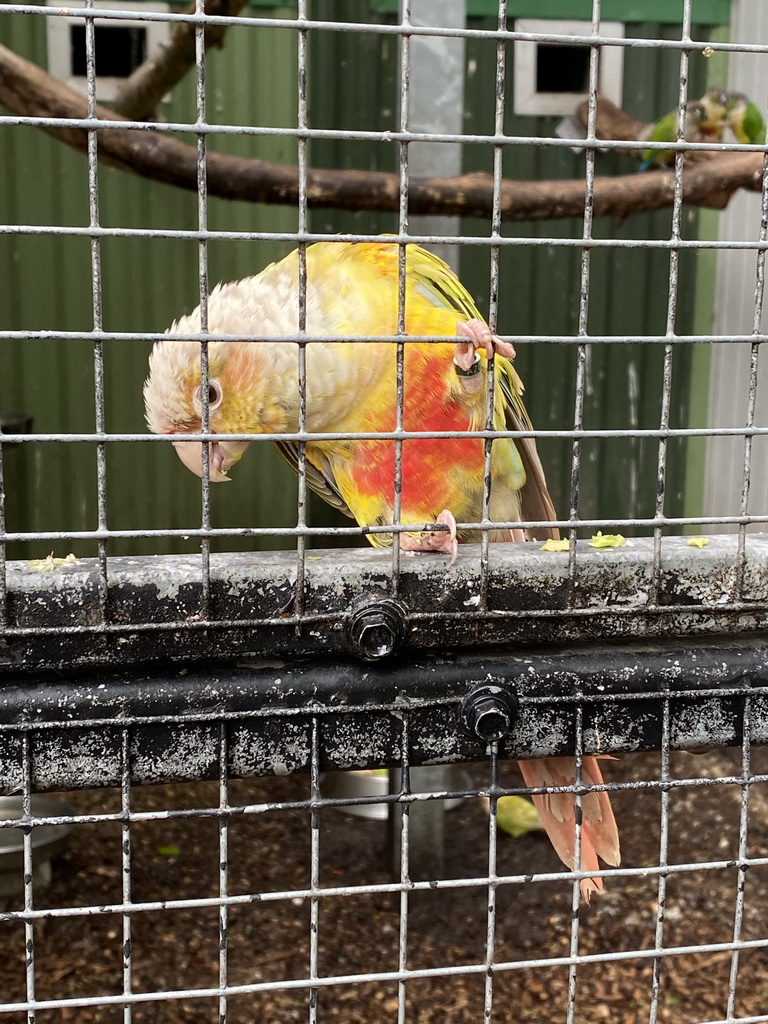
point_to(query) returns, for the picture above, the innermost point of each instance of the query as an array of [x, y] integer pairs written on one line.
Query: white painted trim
[[527, 100], [59, 49]]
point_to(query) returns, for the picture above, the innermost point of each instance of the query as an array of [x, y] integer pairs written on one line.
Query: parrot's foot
[[478, 335], [438, 541]]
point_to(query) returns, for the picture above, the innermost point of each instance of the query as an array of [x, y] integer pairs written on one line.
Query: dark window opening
[[119, 49], [562, 68]]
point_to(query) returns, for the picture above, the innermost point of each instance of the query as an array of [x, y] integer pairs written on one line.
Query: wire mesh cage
[[411, 196]]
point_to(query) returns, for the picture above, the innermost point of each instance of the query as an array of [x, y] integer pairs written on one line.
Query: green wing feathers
[[535, 502], [438, 283], [442, 287]]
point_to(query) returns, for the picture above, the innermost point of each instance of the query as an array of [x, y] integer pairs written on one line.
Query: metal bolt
[[376, 627], [489, 711]]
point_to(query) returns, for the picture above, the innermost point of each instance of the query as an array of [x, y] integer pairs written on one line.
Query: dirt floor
[[269, 941]]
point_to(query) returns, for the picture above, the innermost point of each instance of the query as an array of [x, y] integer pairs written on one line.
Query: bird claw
[[479, 335], [434, 540]]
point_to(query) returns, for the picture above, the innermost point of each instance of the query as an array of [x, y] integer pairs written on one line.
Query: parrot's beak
[[223, 455]]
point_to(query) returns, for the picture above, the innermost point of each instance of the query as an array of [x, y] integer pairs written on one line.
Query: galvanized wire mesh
[[105, 616], [222, 891]]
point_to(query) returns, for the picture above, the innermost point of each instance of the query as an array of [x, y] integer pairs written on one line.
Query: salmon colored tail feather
[[599, 835]]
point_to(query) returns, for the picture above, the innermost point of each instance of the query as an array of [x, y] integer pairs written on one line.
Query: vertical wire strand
[[582, 350], [738, 916], [672, 295], [405, 81], [125, 853], [3, 550], [202, 276], [29, 932], [490, 931], [314, 870], [223, 872], [405, 869], [493, 304], [96, 300], [661, 893], [578, 777], [741, 557], [301, 465]]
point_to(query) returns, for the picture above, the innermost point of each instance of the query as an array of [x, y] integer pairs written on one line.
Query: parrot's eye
[[215, 395]]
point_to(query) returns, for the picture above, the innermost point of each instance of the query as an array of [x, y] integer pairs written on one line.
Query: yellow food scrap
[[555, 545], [516, 816], [168, 851], [49, 563], [698, 542], [607, 540]]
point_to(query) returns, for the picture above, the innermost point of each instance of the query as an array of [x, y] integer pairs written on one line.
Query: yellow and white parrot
[[351, 387]]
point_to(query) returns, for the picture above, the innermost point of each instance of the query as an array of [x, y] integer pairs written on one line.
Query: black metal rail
[[535, 701]]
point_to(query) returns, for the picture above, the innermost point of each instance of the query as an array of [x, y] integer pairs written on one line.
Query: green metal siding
[[705, 12], [148, 282]]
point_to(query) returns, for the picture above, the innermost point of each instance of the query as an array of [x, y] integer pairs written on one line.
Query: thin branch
[[168, 64], [28, 91], [616, 124]]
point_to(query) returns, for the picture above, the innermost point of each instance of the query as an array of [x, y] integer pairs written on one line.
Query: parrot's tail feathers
[[599, 835], [589, 885]]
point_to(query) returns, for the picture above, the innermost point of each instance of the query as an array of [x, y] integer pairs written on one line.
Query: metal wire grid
[[489, 965], [495, 241], [493, 962]]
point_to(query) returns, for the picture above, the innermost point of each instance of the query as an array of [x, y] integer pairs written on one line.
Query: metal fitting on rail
[[489, 711], [376, 627]]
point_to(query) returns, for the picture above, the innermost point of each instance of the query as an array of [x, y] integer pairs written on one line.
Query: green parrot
[[745, 120], [665, 130], [715, 104]]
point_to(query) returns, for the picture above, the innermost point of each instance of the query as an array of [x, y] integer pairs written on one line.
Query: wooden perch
[[611, 122], [27, 90]]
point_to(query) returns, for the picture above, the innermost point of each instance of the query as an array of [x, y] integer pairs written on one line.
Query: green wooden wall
[[148, 282]]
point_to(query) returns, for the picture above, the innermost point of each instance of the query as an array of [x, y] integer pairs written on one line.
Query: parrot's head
[[695, 116], [714, 103], [239, 391], [736, 104]]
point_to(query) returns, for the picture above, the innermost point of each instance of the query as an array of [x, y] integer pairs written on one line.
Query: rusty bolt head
[[376, 627]]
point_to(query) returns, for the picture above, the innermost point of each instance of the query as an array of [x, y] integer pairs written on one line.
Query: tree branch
[[168, 64], [611, 122], [27, 90]]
